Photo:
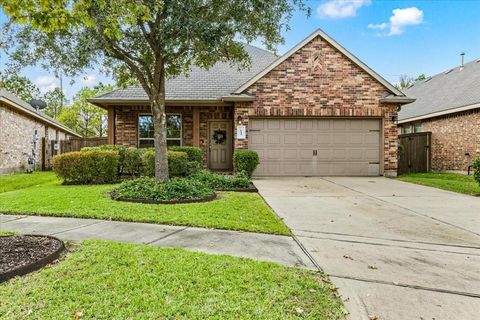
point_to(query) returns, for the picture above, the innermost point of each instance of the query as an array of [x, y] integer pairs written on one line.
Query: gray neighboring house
[[448, 105], [18, 123]]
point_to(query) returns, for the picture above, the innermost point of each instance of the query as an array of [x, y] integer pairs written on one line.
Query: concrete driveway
[[395, 250]]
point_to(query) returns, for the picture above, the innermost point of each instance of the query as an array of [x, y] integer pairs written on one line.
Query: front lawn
[[108, 280], [446, 181], [232, 211], [24, 180]]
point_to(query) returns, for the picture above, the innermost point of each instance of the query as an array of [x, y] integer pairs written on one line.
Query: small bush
[[245, 161], [121, 150], [222, 182], [146, 188], [87, 167], [193, 153], [476, 170], [177, 163]]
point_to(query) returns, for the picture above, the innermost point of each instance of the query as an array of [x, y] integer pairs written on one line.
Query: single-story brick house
[[317, 110], [448, 106], [20, 124]]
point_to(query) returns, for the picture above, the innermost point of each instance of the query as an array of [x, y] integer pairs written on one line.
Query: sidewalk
[[280, 249]]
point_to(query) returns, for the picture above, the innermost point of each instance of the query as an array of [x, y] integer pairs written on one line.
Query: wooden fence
[[414, 152], [54, 147], [75, 144]]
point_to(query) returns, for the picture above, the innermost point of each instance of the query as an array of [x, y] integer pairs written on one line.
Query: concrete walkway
[[265, 247], [395, 250]]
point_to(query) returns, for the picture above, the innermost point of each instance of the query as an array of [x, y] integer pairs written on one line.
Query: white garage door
[[316, 147]]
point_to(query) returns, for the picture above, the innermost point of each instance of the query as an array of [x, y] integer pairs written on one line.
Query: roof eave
[[440, 113], [105, 102], [38, 117], [397, 99]]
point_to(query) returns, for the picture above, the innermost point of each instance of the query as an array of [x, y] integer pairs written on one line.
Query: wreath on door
[[219, 136]]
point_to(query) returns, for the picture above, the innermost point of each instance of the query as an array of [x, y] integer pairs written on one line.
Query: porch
[[209, 127]]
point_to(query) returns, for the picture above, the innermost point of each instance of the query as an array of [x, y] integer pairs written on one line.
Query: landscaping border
[[34, 266], [251, 188], [151, 201]]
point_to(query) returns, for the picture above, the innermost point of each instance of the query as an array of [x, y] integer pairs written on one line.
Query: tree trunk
[[157, 103]]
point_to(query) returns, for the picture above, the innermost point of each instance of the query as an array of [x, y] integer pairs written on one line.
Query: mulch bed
[[22, 254], [251, 188]]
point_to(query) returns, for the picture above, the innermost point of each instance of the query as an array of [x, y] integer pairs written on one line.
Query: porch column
[[196, 126], [111, 125]]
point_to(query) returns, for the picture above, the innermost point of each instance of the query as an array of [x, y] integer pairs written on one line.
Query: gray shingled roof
[[220, 80], [451, 89], [38, 114]]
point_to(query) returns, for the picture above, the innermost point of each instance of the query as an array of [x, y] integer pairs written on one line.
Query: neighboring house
[[19, 122], [447, 105], [317, 110]]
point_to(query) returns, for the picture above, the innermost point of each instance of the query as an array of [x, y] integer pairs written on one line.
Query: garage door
[[316, 147]]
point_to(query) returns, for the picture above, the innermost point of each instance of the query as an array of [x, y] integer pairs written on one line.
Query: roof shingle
[[452, 89]]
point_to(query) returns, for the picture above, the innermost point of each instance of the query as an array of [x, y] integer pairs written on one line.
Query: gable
[[320, 47]]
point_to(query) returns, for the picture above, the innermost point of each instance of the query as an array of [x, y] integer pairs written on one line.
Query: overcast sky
[[392, 37]]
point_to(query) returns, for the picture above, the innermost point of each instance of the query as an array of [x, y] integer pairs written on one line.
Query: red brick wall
[[452, 137], [320, 81], [126, 123]]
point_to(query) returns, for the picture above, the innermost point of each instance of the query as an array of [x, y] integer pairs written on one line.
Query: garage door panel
[[290, 139], [343, 146]]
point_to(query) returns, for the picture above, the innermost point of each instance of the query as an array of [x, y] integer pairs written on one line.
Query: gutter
[[440, 113]]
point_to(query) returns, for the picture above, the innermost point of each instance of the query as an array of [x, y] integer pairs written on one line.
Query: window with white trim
[[145, 130], [417, 127]]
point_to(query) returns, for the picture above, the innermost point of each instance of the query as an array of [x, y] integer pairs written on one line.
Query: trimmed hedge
[[146, 188], [87, 167], [177, 163], [193, 153], [476, 170], [245, 161]]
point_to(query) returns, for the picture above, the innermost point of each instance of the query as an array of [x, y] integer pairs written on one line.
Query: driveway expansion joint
[[76, 228]]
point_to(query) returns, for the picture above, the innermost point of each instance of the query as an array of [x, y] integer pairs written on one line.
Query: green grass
[[107, 280], [446, 181], [232, 211], [24, 180], [6, 233]]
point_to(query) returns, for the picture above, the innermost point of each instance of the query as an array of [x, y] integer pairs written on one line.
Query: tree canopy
[[147, 40]]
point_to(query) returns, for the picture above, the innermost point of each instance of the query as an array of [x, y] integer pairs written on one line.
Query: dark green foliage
[[476, 170], [132, 164], [87, 167], [245, 161], [193, 153], [222, 182], [111, 147], [177, 163], [175, 189]]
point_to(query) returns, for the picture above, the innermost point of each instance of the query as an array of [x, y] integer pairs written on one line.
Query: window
[[417, 127], [145, 130], [406, 129]]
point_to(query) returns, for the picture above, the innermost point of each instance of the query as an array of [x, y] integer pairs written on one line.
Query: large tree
[[82, 116], [20, 86], [149, 40]]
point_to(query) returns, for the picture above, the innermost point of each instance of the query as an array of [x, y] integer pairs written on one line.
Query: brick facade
[[453, 136], [126, 123], [319, 81], [16, 135]]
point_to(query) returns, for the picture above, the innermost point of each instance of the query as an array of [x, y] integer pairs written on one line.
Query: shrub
[[121, 150], [245, 161], [146, 188], [193, 153], [87, 167], [177, 163], [132, 162], [221, 182], [476, 170]]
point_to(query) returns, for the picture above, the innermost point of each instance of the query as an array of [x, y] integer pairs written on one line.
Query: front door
[[220, 144]]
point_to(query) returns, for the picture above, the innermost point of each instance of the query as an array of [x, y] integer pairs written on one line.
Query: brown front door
[[220, 144]]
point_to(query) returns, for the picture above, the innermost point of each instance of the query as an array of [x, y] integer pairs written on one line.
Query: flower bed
[[177, 190], [22, 254]]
